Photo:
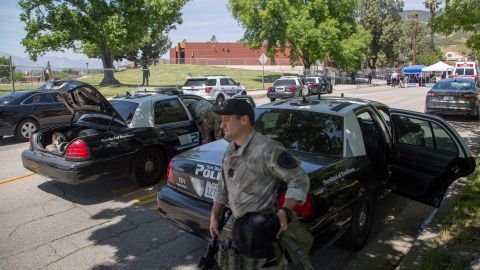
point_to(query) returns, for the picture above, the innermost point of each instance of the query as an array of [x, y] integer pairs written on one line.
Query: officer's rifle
[[207, 261]]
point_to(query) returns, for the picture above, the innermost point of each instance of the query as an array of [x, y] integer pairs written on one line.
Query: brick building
[[222, 53]]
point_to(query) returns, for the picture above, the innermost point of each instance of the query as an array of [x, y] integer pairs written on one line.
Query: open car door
[[427, 156]]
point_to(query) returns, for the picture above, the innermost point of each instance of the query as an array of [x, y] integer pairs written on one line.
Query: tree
[[311, 30], [383, 19], [151, 48], [432, 6], [103, 28], [460, 15], [4, 68]]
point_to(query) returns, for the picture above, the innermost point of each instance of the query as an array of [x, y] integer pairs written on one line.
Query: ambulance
[[465, 70]]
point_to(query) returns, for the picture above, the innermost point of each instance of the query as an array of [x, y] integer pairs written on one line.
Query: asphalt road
[[113, 224]]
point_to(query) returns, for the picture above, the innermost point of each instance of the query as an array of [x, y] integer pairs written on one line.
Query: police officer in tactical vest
[[253, 168]]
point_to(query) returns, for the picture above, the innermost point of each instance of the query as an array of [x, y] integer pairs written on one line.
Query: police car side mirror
[[238, 83]]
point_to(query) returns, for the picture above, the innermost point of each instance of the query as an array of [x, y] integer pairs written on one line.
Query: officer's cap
[[237, 107]]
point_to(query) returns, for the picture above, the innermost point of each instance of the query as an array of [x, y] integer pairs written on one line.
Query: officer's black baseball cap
[[237, 107]]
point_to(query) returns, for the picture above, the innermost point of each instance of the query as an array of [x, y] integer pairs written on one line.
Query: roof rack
[[214, 75]]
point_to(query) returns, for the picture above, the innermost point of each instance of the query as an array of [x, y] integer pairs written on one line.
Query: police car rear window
[[312, 132], [195, 82], [126, 109], [284, 83]]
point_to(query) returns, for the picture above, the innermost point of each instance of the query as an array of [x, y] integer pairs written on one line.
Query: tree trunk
[[432, 33], [107, 60]]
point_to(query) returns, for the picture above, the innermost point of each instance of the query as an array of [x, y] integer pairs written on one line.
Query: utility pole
[[11, 74], [414, 41]]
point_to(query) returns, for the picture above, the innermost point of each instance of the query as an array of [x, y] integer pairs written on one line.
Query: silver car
[[454, 97]]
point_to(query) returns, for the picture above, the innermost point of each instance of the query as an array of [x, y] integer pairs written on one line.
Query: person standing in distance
[[251, 170]]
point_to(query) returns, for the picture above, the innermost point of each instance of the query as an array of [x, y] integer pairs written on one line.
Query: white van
[[465, 70]]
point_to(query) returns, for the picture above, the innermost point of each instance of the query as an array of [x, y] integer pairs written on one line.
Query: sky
[[201, 20]]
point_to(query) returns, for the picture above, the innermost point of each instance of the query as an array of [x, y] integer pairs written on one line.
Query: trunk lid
[[197, 171], [80, 97]]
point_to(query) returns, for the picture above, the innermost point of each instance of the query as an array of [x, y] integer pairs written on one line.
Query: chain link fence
[[133, 76]]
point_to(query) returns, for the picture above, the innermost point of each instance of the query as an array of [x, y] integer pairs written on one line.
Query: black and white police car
[[353, 151], [215, 88], [132, 136]]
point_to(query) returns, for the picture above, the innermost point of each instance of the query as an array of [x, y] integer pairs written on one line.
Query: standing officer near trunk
[[252, 169]]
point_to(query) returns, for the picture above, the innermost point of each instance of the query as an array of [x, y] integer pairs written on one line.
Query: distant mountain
[[56, 62], [423, 15]]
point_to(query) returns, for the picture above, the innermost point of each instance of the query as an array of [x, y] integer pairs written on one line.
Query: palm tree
[[432, 6]]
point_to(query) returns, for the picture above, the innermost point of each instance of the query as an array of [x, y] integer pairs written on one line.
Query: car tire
[[361, 225], [272, 99], [25, 129], [148, 167], [220, 100]]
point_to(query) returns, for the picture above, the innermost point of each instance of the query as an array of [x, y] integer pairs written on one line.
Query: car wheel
[[147, 167], [272, 99], [25, 129], [220, 100], [357, 234]]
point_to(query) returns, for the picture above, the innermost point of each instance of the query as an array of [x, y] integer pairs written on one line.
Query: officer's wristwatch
[[288, 212]]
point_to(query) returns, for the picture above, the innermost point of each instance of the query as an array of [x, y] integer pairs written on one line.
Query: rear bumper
[[76, 172], [449, 109], [281, 94], [186, 212]]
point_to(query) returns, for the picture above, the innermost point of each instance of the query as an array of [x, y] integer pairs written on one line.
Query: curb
[[431, 230]]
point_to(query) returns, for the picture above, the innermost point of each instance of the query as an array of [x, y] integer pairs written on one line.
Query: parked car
[[24, 112], [215, 88], [317, 85], [454, 96], [286, 87], [353, 150], [133, 136]]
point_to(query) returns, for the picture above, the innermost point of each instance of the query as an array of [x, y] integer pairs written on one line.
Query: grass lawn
[[170, 75], [460, 233]]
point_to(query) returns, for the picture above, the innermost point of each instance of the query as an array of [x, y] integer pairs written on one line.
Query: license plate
[[447, 98], [210, 190]]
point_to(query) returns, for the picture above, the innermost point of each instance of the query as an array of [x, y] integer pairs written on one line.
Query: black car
[[24, 112], [353, 151], [454, 97], [134, 136], [317, 85], [286, 87]]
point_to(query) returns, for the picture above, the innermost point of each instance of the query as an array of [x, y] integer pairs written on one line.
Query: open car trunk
[[56, 140]]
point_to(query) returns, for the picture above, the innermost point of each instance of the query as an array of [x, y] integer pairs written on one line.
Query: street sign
[[263, 59]]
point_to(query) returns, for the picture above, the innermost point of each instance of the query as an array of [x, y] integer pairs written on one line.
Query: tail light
[[78, 149], [208, 89], [432, 94], [292, 89], [269, 89], [302, 210], [467, 95], [311, 86], [170, 177]]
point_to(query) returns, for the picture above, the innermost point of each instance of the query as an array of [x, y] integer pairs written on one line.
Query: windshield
[[455, 85], [195, 82], [126, 109], [284, 83], [9, 97], [316, 133]]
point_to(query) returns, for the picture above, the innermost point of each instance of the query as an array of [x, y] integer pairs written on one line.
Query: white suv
[[217, 88]]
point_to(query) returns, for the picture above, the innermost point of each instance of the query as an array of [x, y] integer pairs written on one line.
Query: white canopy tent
[[437, 67]]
